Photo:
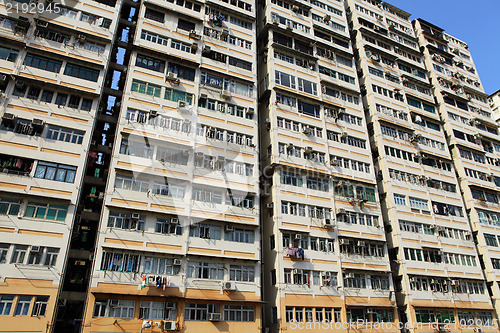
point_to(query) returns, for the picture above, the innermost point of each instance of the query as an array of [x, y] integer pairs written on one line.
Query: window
[[284, 79], [46, 211], [146, 88], [124, 221], [241, 273], [6, 302], [419, 203], [182, 72], [207, 231], [168, 226], [55, 171], [44, 63], [491, 240], [150, 63], [124, 309], [205, 270], [23, 305], [120, 262], [4, 249], [8, 54], [154, 15], [177, 95], [65, 135], [161, 266], [195, 311], [40, 306], [19, 254], [240, 236], [185, 25], [308, 86], [81, 72], [9, 206], [158, 310], [239, 313]]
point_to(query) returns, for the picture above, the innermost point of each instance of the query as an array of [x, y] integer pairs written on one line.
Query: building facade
[[51, 73], [437, 271], [494, 101], [472, 135], [228, 165], [178, 246], [323, 236]]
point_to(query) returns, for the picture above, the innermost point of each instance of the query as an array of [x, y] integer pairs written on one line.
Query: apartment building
[[472, 136], [51, 71], [437, 273], [179, 241], [326, 255], [494, 101]]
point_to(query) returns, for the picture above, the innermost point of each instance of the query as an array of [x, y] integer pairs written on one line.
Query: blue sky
[[475, 22]]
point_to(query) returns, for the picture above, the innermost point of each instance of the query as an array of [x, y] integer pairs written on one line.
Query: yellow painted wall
[[170, 295], [28, 287]]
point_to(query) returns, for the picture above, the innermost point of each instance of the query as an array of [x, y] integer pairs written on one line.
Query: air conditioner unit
[[269, 205], [177, 262], [340, 211], [327, 223], [174, 220], [214, 316], [193, 34], [206, 49], [375, 57], [42, 24], [350, 276], [327, 18], [229, 227], [334, 162], [181, 104], [171, 76], [361, 243], [297, 271], [194, 47], [169, 325], [289, 145], [344, 135], [225, 94], [306, 130], [37, 123], [225, 32], [298, 236], [344, 241], [82, 39], [295, 8], [113, 302], [308, 150], [135, 216], [35, 248], [250, 111], [229, 286], [153, 114], [199, 155]]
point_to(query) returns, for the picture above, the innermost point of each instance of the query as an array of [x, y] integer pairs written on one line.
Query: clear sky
[[475, 22]]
